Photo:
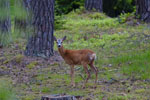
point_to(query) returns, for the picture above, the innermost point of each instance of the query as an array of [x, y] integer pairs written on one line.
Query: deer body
[[83, 57], [77, 57]]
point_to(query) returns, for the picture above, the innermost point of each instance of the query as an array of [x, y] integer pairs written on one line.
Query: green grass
[[6, 92], [5, 38], [122, 46], [32, 65], [136, 64], [114, 43], [118, 46]]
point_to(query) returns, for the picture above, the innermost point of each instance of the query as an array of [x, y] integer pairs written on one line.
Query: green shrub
[[66, 6], [59, 22], [126, 17], [97, 15], [80, 10]]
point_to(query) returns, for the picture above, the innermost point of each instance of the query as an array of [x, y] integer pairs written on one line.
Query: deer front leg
[[72, 76]]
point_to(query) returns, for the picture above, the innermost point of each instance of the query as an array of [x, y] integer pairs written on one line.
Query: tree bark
[[94, 4], [143, 9], [58, 97], [41, 43]]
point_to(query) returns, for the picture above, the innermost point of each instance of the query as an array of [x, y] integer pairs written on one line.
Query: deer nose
[[59, 45]]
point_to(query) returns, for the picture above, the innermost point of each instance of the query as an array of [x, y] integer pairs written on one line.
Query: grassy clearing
[[122, 54], [113, 42], [118, 46]]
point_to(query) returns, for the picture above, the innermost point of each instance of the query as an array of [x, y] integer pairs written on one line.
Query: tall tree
[[41, 43], [94, 4], [143, 9], [5, 22]]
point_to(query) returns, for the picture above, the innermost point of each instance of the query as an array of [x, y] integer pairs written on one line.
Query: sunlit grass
[[135, 64]]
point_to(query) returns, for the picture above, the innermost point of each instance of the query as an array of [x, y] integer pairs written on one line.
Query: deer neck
[[62, 51]]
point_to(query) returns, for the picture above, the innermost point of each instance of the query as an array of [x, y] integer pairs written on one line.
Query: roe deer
[[77, 57]]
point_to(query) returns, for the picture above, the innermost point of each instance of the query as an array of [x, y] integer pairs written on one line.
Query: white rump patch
[[93, 56]]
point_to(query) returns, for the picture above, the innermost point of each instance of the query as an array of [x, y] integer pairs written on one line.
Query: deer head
[[59, 41]]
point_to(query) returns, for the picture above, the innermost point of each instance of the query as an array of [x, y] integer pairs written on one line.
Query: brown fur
[[76, 57], [79, 57], [83, 57]]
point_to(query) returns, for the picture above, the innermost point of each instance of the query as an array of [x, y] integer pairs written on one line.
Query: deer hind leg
[[72, 76], [88, 74], [95, 70]]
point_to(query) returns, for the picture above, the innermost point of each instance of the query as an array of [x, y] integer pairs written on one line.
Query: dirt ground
[[33, 77]]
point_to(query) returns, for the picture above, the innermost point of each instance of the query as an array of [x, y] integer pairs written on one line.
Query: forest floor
[[123, 60]]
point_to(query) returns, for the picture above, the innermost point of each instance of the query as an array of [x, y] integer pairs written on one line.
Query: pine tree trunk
[[143, 9], [94, 4], [41, 43]]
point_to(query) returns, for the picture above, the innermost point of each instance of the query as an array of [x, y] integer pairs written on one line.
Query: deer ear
[[64, 38], [54, 38]]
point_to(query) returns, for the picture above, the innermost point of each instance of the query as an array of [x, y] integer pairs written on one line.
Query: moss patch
[[32, 64], [19, 58]]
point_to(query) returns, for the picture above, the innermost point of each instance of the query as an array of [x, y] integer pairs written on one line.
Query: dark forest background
[[112, 8]]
